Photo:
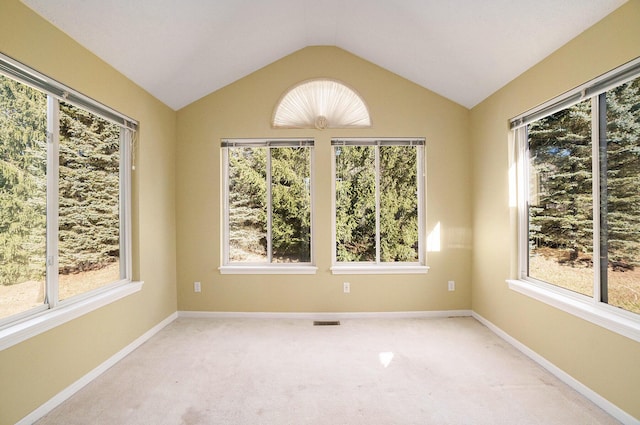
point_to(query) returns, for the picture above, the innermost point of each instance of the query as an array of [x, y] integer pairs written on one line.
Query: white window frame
[[589, 308], [378, 267], [228, 267], [19, 327]]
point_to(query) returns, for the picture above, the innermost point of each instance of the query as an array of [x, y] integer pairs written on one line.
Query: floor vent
[[326, 322]]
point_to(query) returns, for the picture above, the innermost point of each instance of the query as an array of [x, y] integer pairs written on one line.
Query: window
[[580, 194], [64, 195], [379, 205], [268, 212]]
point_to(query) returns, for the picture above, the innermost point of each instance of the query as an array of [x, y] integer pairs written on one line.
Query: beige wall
[[397, 108], [604, 361], [36, 370]]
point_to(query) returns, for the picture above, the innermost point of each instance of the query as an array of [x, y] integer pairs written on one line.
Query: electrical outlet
[[452, 285], [346, 287], [197, 287]]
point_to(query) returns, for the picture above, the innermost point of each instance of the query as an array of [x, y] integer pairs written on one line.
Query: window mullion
[[53, 165], [377, 188], [269, 209], [599, 122]]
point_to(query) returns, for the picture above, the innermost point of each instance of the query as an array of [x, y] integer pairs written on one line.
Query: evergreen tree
[[291, 204], [89, 191], [355, 203], [22, 182], [398, 204], [623, 173], [560, 213]]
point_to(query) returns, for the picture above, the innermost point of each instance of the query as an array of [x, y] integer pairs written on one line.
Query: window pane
[[560, 199], [23, 196], [247, 205], [621, 215], [398, 204], [291, 205], [355, 203], [89, 202]]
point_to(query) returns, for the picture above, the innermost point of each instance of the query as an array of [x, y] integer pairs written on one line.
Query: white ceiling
[[182, 50]]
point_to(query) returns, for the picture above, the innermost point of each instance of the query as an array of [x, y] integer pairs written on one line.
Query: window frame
[[53, 312], [589, 308], [379, 267], [228, 267]]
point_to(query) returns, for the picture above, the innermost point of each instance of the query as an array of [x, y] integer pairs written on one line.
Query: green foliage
[[22, 182], [89, 216], [290, 204], [560, 214], [89, 190], [356, 203]]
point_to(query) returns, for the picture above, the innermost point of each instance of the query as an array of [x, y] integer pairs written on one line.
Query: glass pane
[[355, 203], [23, 197], [247, 205], [89, 202], [621, 177], [291, 205], [560, 199], [398, 204]]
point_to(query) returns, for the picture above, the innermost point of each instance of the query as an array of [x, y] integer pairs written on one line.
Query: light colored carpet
[[369, 371]]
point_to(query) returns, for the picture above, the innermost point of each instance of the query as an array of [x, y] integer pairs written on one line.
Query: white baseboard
[[325, 316], [596, 398], [86, 379]]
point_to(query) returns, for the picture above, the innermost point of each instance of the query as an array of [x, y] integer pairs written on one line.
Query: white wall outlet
[[346, 287], [197, 287], [452, 285]]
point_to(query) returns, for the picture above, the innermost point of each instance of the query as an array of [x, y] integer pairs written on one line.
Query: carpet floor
[[364, 371]]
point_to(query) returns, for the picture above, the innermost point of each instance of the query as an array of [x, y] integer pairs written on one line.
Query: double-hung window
[[64, 197], [268, 206], [378, 206], [579, 180]]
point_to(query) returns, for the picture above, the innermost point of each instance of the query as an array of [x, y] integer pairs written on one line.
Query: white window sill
[[597, 313], [378, 269], [271, 269], [20, 331]]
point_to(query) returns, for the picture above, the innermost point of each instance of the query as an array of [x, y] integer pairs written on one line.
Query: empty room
[[320, 212]]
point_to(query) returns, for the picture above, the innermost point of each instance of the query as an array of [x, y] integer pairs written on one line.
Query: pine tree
[[22, 182], [561, 214], [623, 173], [89, 190]]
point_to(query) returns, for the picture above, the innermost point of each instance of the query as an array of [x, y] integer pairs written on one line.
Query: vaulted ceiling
[[182, 50]]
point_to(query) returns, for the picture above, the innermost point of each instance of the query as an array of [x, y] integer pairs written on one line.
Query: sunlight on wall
[[433, 240]]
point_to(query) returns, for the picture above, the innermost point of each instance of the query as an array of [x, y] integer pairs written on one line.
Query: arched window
[[321, 103]]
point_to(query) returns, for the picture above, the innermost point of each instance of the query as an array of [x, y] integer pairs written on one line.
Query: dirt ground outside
[[624, 286], [23, 296]]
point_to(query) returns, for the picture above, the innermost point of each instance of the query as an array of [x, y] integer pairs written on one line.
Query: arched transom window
[[321, 103]]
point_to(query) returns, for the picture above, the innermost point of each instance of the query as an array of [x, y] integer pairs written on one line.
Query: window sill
[[272, 269], [18, 332], [592, 312], [378, 269]]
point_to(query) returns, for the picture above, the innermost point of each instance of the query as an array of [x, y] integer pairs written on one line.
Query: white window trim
[[228, 267], [585, 307], [17, 332], [366, 268], [268, 269], [419, 267]]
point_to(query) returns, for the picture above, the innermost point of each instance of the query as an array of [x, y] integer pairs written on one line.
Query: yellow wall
[[604, 361], [397, 108], [467, 170], [36, 370]]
